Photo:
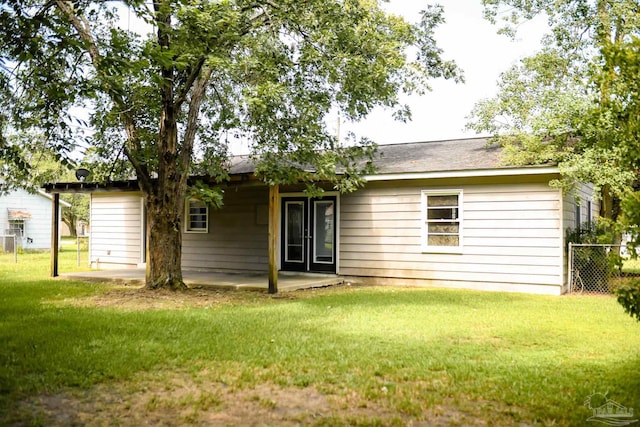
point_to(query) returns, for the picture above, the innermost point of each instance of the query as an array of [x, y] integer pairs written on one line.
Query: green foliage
[[589, 233], [631, 221], [211, 196], [603, 167], [628, 296], [576, 102]]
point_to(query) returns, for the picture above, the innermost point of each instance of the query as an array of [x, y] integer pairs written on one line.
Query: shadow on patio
[[213, 279]]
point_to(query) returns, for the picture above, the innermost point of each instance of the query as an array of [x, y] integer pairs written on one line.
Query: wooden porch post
[[274, 191], [55, 222]]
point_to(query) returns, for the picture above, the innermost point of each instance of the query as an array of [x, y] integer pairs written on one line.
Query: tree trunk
[[72, 224], [164, 270]]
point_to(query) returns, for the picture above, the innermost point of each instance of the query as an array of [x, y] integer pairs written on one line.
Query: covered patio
[[257, 281], [215, 280]]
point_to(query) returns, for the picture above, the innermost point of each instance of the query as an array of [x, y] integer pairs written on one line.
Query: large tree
[[170, 94], [565, 103]]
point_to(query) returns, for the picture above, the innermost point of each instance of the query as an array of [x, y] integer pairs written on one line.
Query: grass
[[386, 355], [631, 266]]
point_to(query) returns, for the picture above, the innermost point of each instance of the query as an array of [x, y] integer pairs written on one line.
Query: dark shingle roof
[[241, 165], [437, 156], [433, 156], [472, 154]]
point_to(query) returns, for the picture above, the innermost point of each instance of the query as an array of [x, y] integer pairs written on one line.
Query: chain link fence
[[594, 269]]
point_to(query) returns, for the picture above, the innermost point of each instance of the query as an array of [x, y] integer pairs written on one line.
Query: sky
[[477, 48]]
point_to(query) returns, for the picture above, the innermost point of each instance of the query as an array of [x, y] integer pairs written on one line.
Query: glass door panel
[[323, 232], [294, 232], [323, 238]]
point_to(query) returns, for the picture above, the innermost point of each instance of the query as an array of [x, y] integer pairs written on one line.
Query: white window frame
[[187, 217], [18, 225], [424, 220]]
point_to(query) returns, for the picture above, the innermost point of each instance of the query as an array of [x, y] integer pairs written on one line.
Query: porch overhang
[[239, 179], [91, 187], [132, 184]]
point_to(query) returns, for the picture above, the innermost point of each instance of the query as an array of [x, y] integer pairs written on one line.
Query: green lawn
[[77, 353], [631, 266]]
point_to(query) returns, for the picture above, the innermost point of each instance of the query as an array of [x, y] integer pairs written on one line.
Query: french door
[[309, 234]]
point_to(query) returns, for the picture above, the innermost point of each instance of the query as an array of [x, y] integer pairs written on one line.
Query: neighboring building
[[444, 213], [28, 217]]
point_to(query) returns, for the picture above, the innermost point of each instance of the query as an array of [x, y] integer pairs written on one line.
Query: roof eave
[[91, 187], [474, 173], [48, 196]]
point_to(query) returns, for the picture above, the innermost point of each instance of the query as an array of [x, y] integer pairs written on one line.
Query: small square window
[[197, 217], [442, 221]]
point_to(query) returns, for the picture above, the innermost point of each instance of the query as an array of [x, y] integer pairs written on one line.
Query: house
[[442, 213], [28, 217]]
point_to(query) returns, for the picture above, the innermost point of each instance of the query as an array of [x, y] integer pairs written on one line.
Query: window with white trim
[[442, 220], [196, 217], [16, 226]]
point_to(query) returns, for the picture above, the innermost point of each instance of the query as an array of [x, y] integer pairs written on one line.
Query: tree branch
[[83, 27], [197, 97], [193, 75]]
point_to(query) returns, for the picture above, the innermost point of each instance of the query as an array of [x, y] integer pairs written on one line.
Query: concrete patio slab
[[213, 279]]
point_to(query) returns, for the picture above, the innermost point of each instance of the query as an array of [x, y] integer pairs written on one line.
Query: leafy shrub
[[628, 296]]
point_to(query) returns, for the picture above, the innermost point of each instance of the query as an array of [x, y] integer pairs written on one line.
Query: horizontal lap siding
[[37, 228], [116, 228], [512, 235], [237, 237], [584, 193]]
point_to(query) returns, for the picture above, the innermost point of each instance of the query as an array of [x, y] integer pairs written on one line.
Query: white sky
[[477, 48]]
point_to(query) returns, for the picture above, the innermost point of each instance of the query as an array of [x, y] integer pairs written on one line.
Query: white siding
[[37, 229], [116, 230], [238, 234], [512, 237], [584, 194]]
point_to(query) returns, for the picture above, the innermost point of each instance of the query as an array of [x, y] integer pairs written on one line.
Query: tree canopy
[[570, 103], [169, 96]]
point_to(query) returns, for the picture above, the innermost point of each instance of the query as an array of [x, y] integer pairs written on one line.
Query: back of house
[[443, 213]]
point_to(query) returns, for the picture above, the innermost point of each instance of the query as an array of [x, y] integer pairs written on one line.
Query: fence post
[[570, 268], [15, 249]]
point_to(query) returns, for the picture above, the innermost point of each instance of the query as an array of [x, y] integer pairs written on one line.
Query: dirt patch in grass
[[180, 402], [181, 399]]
